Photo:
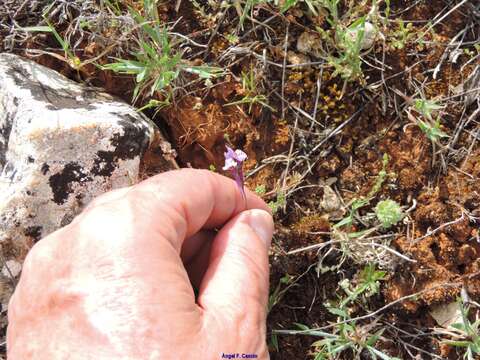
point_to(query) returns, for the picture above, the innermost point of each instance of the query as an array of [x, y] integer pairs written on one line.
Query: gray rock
[[61, 145], [11, 269]]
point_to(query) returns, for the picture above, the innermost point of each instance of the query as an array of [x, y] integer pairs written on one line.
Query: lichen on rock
[[61, 145]]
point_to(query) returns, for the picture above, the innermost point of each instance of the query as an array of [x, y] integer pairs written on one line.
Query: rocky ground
[[361, 123]]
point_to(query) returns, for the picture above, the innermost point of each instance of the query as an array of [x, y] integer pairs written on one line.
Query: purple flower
[[234, 162]]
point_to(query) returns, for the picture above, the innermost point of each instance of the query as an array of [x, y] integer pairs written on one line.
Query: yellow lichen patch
[[330, 106], [295, 76], [282, 135], [219, 46], [312, 223]]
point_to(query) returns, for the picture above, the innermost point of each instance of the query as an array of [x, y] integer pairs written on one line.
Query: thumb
[[236, 282]]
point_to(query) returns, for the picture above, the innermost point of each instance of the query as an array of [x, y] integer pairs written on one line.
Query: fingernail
[[262, 223]]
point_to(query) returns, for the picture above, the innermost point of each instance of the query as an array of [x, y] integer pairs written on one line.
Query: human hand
[[117, 282]]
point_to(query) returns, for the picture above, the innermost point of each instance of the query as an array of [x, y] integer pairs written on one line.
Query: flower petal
[[240, 156], [230, 163], [230, 154]]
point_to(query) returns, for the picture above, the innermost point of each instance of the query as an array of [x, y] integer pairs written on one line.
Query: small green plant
[[382, 175], [350, 234], [432, 130], [430, 127], [467, 334], [402, 35], [232, 38], [285, 283], [426, 107], [346, 35], [279, 203], [348, 62], [260, 190], [358, 339], [156, 64], [388, 213], [312, 5], [252, 96], [387, 9], [279, 291], [114, 6], [348, 335], [354, 207], [69, 57], [200, 9], [273, 342], [349, 35], [359, 203], [247, 9], [368, 285], [157, 104]]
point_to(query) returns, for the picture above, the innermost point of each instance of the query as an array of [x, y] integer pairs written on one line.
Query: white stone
[[61, 145], [447, 314], [370, 34]]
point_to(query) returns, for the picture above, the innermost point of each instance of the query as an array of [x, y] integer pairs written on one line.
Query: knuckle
[[35, 257]]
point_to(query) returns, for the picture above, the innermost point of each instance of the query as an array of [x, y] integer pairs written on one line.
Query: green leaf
[[286, 279], [60, 40], [380, 354], [338, 312], [288, 4], [142, 75], [301, 326], [426, 107], [459, 326], [432, 131], [125, 66], [153, 32], [305, 330], [37, 29], [374, 338], [345, 221], [205, 72], [155, 104], [274, 342], [457, 343]]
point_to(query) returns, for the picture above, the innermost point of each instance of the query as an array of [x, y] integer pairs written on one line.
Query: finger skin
[[238, 267], [236, 284], [194, 199], [198, 265], [113, 283], [194, 244]]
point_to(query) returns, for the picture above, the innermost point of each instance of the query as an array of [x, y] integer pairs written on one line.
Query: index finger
[[190, 200]]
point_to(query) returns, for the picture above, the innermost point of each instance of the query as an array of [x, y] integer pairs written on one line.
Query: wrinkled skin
[[117, 282]]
